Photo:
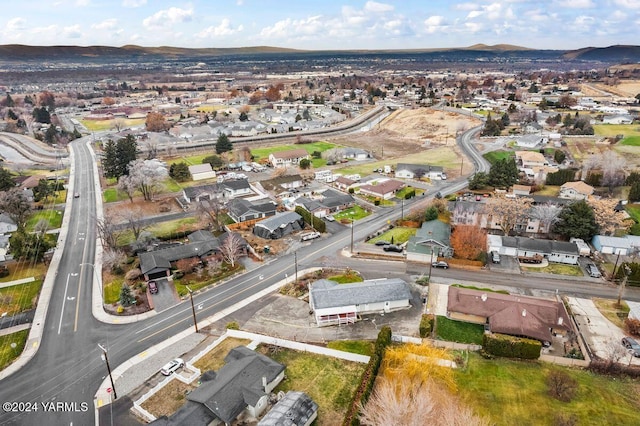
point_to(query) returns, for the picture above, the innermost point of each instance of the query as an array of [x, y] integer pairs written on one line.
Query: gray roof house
[[429, 242], [334, 303], [279, 225], [553, 251], [7, 225], [240, 209], [296, 408], [243, 384], [412, 171], [227, 189]]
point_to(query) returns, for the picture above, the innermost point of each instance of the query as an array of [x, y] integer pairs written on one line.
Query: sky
[[321, 25]]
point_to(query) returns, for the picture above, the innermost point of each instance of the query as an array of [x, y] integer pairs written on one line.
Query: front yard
[[352, 213], [556, 268], [397, 235], [9, 353]]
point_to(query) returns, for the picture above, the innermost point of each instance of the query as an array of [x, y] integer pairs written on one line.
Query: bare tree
[[403, 402], [231, 249], [592, 162], [127, 185], [613, 166], [148, 176], [213, 266], [152, 149], [607, 218], [547, 214], [112, 258], [119, 124], [15, 204], [108, 233], [212, 209], [613, 352], [134, 220], [508, 212]]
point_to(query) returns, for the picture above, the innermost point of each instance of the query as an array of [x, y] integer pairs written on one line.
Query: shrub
[[376, 202], [351, 190], [511, 347], [410, 194], [318, 223], [431, 213], [426, 325], [632, 326], [561, 385], [233, 325], [120, 309]]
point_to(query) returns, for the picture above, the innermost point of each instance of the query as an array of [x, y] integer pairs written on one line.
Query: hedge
[[368, 378], [318, 224], [511, 347], [426, 325]]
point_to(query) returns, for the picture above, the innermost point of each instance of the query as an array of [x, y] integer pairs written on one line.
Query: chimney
[[524, 312], [560, 321], [484, 297], [264, 383]]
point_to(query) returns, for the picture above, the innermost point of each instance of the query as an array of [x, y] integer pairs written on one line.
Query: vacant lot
[[330, 382], [19, 297], [515, 393], [7, 353], [398, 235], [215, 358]]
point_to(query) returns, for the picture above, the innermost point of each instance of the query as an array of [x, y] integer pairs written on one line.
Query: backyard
[[458, 331], [262, 154], [515, 393], [52, 217]]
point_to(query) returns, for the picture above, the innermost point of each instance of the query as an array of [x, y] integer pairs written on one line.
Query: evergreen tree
[[6, 180], [634, 192], [478, 181], [505, 120], [223, 144], [109, 159], [243, 116], [503, 173], [126, 296], [126, 152], [577, 220], [11, 115], [180, 172], [28, 246], [215, 161]]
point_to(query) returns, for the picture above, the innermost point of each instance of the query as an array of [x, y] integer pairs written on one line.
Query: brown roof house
[[287, 158], [576, 190], [508, 314], [385, 189]]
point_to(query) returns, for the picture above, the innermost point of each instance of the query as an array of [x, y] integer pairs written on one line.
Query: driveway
[[507, 265], [166, 297], [601, 335]]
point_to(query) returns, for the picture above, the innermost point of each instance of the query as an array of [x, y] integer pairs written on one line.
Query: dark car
[[76, 195], [153, 287], [632, 346], [440, 264], [393, 247], [382, 243]]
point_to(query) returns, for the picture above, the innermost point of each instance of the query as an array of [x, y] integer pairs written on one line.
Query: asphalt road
[[67, 368]]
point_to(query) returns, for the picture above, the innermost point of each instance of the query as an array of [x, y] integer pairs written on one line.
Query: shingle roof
[[542, 246], [296, 408], [329, 294], [383, 187], [578, 186], [281, 219]]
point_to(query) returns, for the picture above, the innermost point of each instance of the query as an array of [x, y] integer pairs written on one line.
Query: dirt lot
[[406, 131]]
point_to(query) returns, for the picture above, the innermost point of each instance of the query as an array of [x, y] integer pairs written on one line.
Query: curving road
[[67, 366]]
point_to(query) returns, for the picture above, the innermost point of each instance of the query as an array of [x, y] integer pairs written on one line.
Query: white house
[[202, 171], [577, 190], [413, 171], [334, 303], [287, 158], [324, 176]]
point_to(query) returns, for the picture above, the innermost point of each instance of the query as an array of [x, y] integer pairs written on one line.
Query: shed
[[611, 245]]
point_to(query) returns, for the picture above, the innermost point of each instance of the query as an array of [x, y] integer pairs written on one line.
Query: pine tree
[[126, 296], [223, 144]]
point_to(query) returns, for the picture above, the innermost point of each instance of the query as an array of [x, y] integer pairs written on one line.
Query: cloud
[[375, 7], [290, 27], [467, 6], [434, 24], [72, 31], [577, 4], [133, 3], [82, 3], [240, 2], [107, 24], [168, 17], [224, 29], [583, 23], [628, 4], [16, 24]]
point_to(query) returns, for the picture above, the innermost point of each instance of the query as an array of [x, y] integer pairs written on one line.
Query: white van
[[309, 236]]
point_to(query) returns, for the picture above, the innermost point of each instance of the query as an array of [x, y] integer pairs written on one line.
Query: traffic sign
[[108, 390]]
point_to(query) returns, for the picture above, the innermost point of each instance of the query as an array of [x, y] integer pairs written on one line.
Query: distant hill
[[617, 53], [496, 47]]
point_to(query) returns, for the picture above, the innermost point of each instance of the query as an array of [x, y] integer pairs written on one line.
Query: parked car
[[172, 366], [330, 218], [153, 287], [632, 346], [382, 243], [593, 271], [495, 257], [309, 236], [76, 195], [440, 264], [393, 247]]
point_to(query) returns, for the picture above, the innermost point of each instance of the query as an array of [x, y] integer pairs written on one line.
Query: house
[[334, 303], [296, 408], [242, 385], [281, 185], [236, 188], [336, 200], [416, 171], [4, 248], [241, 209], [519, 316], [344, 183], [224, 190], [530, 159], [577, 190], [618, 119], [429, 242], [351, 153], [384, 189], [612, 245], [315, 207], [279, 225], [530, 141], [201, 246], [7, 225], [521, 190], [553, 251], [323, 175], [288, 158], [202, 171]]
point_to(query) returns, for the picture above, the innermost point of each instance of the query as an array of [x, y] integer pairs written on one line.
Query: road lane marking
[[64, 298]]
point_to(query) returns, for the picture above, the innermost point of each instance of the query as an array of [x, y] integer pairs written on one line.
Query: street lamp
[[106, 360], [193, 309]]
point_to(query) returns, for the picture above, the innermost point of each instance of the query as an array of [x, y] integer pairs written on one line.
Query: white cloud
[[434, 24], [467, 6], [434, 20], [583, 22], [168, 17], [224, 29], [473, 27], [292, 27], [375, 7], [82, 3], [628, 4], [474, 14], [239, 2], [72, 31], [107, 24], [133, 3], [577, 4], [16, 24]]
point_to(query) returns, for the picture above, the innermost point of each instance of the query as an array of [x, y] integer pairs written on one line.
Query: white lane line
[[64, 298]]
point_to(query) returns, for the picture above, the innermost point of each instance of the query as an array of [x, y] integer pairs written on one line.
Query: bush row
[[511, 347], [426, 325], [318, 224], [368, 378]]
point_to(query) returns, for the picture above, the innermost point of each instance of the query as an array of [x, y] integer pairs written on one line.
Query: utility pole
[[106, 360], [615, 267], [295, 263], [352, 222], [623, 283], [193, 309]]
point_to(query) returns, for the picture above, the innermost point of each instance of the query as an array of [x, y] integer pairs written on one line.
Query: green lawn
[[7, 353], [163, 230], [354, 213], [549, 191], [557, 268], [330, 382], [19, 298], [514, 393], [399, 234], [346, 278], [99, 125], [494, 156], [403, 192], [111, 195], [458, 331], [631, 141], [362, 347], [611, 130], [112, 291], [634, 211], [20, 270], [54, 217], [263, 153]]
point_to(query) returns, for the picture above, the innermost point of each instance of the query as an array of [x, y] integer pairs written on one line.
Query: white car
[[330, 218], [172, 366]]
